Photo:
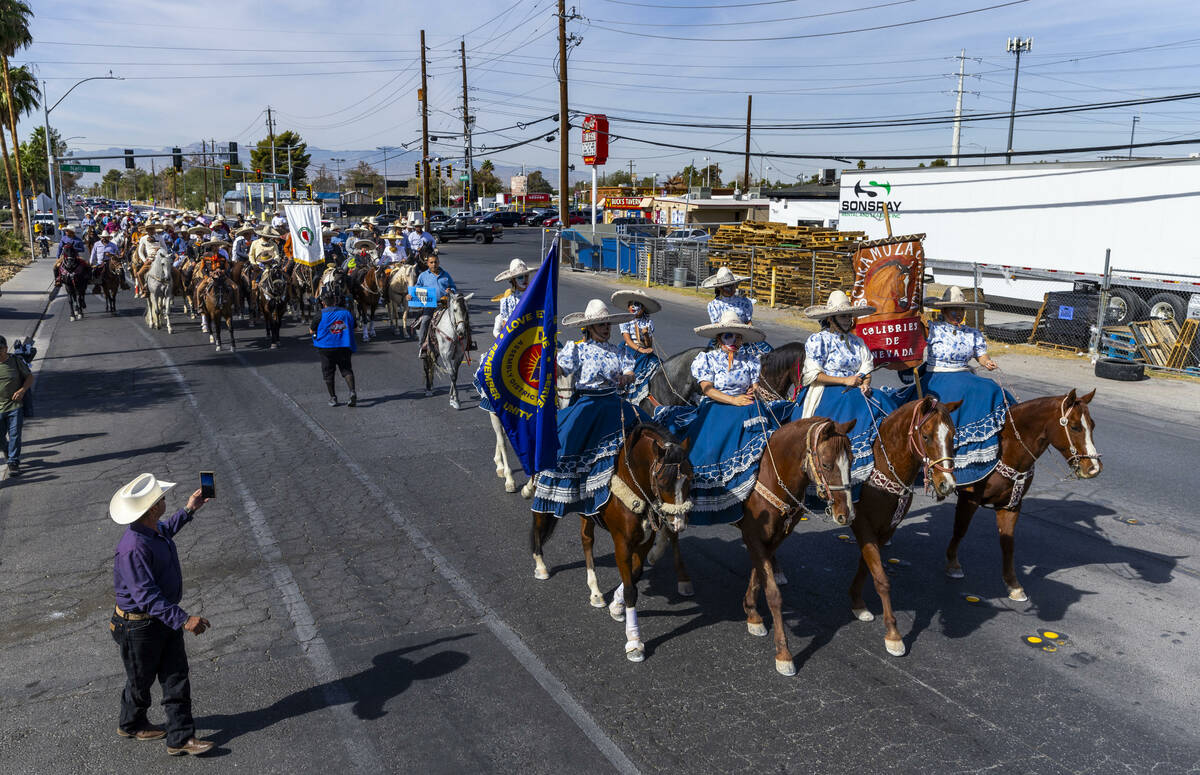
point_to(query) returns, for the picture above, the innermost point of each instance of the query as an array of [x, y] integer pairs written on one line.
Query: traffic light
[[128, 158], [308, 192], [439, 170], [177, 159], [227, 174], [233, 157], [257, 175], [416, 169], [293, 194], [450, 171]]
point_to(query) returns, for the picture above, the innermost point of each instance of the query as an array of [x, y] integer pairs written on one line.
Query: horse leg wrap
[[616, 609], [635, 651], [597, 597]]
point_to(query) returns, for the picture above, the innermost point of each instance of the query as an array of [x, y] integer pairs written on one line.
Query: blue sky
[[344, 74]]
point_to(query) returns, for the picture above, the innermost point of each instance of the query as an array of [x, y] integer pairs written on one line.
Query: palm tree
[[14, 36], [26, 96]]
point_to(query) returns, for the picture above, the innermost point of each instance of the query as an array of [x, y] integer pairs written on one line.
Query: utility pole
[[1016, 46], [153, 182], [204, 161], [424, 136], [631, 184], [746, 171], [1132, 129], [467, 187], [271, 133], [954, 144], [564, 210]]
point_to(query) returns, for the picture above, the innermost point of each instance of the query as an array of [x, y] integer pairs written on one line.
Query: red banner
[[888, 275], [595, 139]]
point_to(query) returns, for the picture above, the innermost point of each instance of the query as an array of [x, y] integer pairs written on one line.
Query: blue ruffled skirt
[[853, 405], [589, 437], [644, 368], [485, 401], [725, 444], [977, 423]]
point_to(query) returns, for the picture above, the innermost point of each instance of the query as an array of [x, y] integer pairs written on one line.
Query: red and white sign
[[534, 198], [888, 275], [623, 203], [595, 139]]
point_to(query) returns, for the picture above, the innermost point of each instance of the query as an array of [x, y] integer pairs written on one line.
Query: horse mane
[[673, 447], [780, 362]]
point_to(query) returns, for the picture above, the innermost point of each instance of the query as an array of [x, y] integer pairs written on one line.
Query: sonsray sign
[[868, 200]]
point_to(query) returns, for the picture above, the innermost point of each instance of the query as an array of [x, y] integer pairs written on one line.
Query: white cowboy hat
[[244, 231], [516, 268], [730, 323], [69, 228], [136, 498], [838, 304], [200, 230], [621, 299], [594, 314], [723, 277], [953, 297], [369, 244], [270, 233], [393, 233]]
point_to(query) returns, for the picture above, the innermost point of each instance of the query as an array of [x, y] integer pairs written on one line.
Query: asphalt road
[[374, 607]]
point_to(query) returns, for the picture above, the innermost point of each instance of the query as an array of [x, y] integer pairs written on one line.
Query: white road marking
[[360, 748], [505, 634]]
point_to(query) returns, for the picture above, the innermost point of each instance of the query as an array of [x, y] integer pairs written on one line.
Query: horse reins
[[657, 506], [824, 489]]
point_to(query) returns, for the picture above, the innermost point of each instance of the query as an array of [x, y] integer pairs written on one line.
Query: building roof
[[714, 203], [805, 191]]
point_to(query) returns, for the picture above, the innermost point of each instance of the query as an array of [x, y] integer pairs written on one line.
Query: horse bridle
[[824, 489], [930, 465], [1064, 421]]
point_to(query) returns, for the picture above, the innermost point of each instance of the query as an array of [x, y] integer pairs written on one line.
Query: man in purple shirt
[[148, 623]]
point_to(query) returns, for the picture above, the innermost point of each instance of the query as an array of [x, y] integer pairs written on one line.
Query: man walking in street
[[16, 380], [333, 336], [147, 622]]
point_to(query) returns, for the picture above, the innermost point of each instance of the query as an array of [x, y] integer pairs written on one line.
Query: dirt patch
[[13, 256]]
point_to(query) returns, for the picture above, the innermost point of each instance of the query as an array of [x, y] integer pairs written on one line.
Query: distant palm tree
[[15, 16]]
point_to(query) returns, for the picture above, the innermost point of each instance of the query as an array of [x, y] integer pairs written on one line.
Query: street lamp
[[1133, 129], [707, 173], [339, 183], [46, 110], [385, 149], [1016, 46]]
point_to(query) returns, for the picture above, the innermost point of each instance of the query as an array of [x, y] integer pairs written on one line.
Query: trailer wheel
[[1121, 370], [1124, 307], [1166, 306], [479, 237]]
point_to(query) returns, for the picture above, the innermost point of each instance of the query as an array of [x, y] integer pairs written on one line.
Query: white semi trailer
[[1031, 228]]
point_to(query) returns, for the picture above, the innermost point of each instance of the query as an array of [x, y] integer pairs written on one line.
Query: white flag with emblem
[[304, 221]]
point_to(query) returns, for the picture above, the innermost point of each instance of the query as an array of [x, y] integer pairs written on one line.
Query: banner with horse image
[[304, 222], [517, 373], [888, 275]]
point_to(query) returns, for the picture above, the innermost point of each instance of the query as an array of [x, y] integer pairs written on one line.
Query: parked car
[[573, 218], [506, 218], [688, 235], [46, 221], [539, 218], [463, 228], [437, 218]]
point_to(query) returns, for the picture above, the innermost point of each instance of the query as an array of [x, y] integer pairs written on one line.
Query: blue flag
[[518, 371]]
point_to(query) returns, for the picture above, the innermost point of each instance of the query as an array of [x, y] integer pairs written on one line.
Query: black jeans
[[336, 358], [150, 650]]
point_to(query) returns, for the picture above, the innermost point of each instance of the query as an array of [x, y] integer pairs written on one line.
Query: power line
[[810, 35], [759, 21]]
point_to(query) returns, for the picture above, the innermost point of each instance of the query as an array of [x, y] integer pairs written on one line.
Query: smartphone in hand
[[208, 488]]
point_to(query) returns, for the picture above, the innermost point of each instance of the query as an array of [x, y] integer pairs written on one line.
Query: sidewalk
[[24, 300]]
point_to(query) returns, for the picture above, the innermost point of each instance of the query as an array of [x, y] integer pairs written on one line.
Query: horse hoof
[[527, 490], [895, 647], [616, 610], [685, 588], [218, 348], [955, 572], [1018, 594], [500, 474], [785, 667], [454, 404], [274, 346], [635, 651], [541, 574], [862, 614], [757, 629], [510, 486], [780, 579], [596, 600]]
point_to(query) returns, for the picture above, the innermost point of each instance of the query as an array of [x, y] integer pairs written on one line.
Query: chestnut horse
[[216, 304], [367, 289], [650, 490], [271, 299], [109, 278], [916, 438], [811, 451], [1032, 426]]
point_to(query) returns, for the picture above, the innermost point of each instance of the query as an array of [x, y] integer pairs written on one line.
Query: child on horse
[[638, 336]]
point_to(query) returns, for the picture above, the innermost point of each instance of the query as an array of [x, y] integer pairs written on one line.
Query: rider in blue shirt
[[333, 336], [438, 283]]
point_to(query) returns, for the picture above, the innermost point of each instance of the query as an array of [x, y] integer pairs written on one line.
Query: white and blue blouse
[[638, 328], [507, 305], [836, 354], [951, 347], [739, 304], [594, 364], [714, 366]]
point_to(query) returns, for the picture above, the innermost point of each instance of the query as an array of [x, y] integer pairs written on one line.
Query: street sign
[[80, 167], [279, 181], [464, 178]]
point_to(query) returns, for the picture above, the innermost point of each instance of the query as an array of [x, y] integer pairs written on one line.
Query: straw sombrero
[[723, 277], [953, 297], [621, 299], [594, 314], [730, 323], [199, 230], [245, 231], [369, 244], [136, 498], [216, 243], [838, 304], [269, 232], [516, 268]]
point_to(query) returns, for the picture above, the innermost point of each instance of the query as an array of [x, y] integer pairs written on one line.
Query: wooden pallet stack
[[808, 262]]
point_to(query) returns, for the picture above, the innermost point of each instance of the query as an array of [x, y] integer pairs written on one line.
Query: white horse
[[450, 341], [402, 278], [158, 291]]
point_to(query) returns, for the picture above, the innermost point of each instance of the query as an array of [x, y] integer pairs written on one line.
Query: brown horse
[[1063, 422], [215, 300], [271, 298], [650, 487], [916, 438], [812, 451], [241, 279], [367, 289], [110, 279]]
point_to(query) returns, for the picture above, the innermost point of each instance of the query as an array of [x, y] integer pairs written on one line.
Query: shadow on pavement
[[370, 691]]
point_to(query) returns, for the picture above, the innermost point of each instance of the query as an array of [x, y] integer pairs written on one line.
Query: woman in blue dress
[[837, 379], [591, 430], [728, 431], [638, 336], [517, 276], [978, 422], [725, 298]]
